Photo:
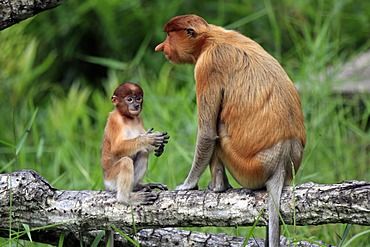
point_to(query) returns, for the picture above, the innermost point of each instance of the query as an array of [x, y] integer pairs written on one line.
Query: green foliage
[[59, 69], [128, 30]]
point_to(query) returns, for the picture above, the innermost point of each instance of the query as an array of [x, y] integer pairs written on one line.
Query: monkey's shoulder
[[232, 46], [227, 54], [129, 127]]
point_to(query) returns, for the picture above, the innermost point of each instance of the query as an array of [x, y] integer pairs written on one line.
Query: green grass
[[54, 124]]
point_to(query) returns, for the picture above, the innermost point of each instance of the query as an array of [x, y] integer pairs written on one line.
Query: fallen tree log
[[14, 11], [26, 197], [159, 237]]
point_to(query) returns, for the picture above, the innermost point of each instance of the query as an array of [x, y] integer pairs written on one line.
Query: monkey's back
[[260, 105]]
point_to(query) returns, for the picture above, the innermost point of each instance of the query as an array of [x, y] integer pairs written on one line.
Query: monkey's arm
[[209, 96], [144, 142], [122, 144]]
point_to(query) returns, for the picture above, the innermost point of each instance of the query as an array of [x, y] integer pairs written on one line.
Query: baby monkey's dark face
[[134, 103]]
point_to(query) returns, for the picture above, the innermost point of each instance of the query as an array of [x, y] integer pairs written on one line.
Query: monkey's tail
[[274, 188]]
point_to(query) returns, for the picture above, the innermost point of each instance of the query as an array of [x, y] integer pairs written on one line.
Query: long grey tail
[[274, 188]]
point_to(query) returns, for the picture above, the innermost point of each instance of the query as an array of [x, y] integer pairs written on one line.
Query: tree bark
[[14, 11], [160, 237], [26, 197]]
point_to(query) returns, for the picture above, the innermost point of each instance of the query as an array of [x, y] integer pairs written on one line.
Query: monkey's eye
[[190, 32], [129, 99], [139, 98]]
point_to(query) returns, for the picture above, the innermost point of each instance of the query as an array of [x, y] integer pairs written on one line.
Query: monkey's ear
[[191, 32], [114, 99]]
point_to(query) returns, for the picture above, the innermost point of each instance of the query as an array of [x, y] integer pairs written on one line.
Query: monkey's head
[[186, 35], [128, 99]]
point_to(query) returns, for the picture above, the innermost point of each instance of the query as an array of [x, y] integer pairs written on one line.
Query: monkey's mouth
[[134, 112], [167, 57]]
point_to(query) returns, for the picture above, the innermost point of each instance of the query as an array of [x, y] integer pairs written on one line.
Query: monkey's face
[[179, 46], [129, 106], [186, 35], [128, 99], [134, 104]]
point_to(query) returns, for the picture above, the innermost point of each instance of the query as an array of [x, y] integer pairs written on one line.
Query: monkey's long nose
[[159, 47]]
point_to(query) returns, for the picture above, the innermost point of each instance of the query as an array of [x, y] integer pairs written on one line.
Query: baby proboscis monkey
[[126, 147]]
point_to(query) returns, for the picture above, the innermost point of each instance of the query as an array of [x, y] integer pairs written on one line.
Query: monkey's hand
[[156, 139], [159, 151]]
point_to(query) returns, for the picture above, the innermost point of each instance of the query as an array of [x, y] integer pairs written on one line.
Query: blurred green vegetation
[[59, 69]]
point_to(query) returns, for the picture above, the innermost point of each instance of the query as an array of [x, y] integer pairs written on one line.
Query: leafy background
[[59, 69]]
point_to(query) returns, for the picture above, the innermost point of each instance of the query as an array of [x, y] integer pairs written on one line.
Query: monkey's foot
[[220, 187], [143, 198], [185, 187], [150, 186]]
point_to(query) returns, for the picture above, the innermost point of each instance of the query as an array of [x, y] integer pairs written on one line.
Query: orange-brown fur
[[249, 112], [126, 145]]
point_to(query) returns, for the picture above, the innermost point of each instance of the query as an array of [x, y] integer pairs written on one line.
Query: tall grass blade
[[6, 143], [98, 238], [25, 133], [106, 62], [250, 233], [6, 166], [133, 221], [126, 236], [355, 237], [344, 235], [61, 239], [247, 19], [27, 230]]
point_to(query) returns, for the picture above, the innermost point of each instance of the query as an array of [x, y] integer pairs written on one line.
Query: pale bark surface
[[34, 202], [14, 11]]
